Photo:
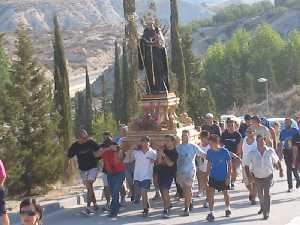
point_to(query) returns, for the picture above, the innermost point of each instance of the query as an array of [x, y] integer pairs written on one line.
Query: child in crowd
[[218, 168]]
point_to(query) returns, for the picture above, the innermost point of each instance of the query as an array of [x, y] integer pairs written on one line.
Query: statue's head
[[150, 17]]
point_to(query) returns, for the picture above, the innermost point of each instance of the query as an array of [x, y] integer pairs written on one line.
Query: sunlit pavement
[[285, 210]]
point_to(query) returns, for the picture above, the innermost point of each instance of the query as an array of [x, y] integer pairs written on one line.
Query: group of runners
[[214, 161]]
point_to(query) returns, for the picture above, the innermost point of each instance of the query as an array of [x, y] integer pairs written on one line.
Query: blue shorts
[[143, 185], [165, 182]]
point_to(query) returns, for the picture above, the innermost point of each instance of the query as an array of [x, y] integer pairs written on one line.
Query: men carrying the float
[[219, 170], [290, 154], [232, 140], [167, 166], [262, 167], [144, 157], [84, 149], [186, 168]]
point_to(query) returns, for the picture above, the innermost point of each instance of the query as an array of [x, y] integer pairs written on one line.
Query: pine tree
[[177, 60], [125, 84], [117, 97], [62, 95], [35, 159], [88, 103], [129, 6]]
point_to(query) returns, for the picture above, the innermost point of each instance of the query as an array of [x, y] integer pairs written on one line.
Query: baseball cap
[[209, 115]]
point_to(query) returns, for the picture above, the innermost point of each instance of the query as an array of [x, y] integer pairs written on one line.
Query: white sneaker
[[205, 205], [199, 194]]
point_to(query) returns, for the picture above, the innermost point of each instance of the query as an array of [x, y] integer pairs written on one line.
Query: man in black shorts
[[232, 141], [84, 149], [167, 165]]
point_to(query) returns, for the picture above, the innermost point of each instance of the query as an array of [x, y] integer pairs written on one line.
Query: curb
[[56, 205]]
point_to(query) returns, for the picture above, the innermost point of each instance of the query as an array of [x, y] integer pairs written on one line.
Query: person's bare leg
[[145, 200], [91, 193], [187, 191], [166, 198], [226, 199], [156, 186], [5, 219], [211, 198]]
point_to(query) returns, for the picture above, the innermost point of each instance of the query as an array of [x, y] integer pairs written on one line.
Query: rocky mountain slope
[[282, 20], [90, 28]]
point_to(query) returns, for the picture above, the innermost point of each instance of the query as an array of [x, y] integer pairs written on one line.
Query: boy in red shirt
[[113, 164]]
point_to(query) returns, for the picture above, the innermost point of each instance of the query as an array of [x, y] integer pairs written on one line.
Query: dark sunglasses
[[250, 131], [28, 213]]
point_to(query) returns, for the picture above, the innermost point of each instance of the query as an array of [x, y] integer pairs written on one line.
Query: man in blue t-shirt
[[286, 148], [219, 167]]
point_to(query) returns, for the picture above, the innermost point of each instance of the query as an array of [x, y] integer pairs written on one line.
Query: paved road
[[285, 211]]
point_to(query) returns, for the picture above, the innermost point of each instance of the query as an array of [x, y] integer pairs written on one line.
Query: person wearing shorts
[[218, 167], [232, 140], [3, 213], [167, 165], [144, 158], [249, 144], [186, 168], [201, 163], [84, 149]]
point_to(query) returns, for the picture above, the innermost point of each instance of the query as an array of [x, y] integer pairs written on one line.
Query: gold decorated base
[[156, 118]]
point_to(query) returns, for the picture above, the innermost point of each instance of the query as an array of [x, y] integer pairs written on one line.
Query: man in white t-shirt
[[263, 163], [144, 159], [201, 163], [249, 144]]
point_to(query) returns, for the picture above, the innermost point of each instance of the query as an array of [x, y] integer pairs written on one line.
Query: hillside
[[280, 104], [282, 20]]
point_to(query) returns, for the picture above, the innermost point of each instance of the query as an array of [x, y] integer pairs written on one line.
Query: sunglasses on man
[[28, 213]]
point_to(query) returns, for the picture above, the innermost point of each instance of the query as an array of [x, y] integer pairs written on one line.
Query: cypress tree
[[88, 103], [62, 95], [79, 111], [125, 84], [4, 65], [35, 159], [103, 97], [117, 97], [129, 6], [177, 60]]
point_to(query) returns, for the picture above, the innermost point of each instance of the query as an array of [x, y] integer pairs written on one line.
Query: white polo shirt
[[262, 166], [143, 169]]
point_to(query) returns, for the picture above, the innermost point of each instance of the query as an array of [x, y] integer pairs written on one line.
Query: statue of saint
[[153, 59]]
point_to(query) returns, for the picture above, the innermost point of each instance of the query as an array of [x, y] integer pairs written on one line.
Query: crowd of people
[[255, 146]]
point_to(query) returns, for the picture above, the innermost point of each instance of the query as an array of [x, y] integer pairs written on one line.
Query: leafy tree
[[30, 150], [265, 49], [62, 95], [102, 123]]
